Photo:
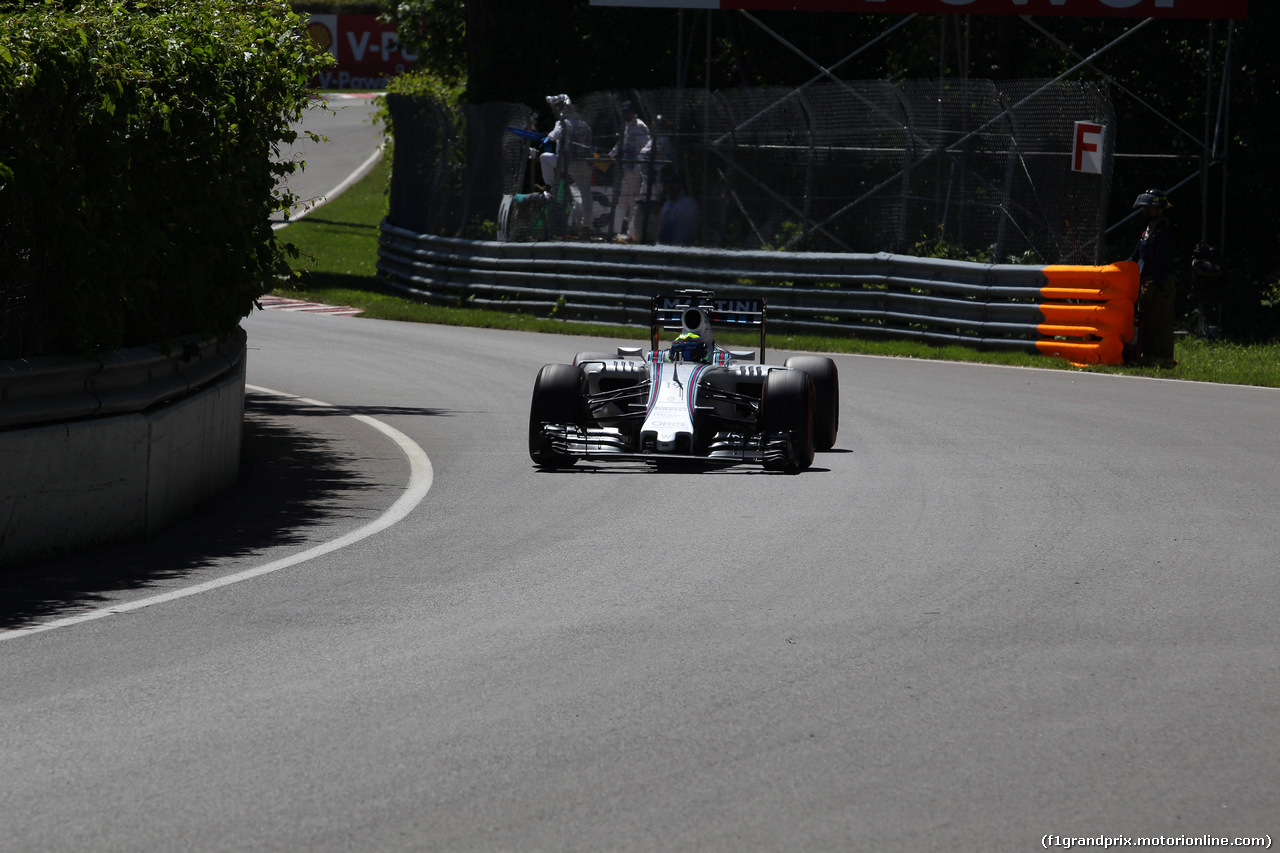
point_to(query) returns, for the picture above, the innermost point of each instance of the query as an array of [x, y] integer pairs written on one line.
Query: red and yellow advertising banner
[[367, 50], [1080, 8]]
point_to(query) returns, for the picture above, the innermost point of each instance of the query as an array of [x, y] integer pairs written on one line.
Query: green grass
[[339, 245], [339, 239]]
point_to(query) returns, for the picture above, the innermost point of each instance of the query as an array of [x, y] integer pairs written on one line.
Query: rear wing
[[698, 310]]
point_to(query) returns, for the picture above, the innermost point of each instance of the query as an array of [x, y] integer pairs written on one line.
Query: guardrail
[[1080, 313], [61, 388]]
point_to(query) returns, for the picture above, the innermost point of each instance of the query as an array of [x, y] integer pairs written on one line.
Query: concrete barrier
[[75, 484]]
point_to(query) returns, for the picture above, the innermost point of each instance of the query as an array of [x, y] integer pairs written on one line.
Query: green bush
[[137, 167], [426, 126], [338, 7], [423, 84], [435, 31]]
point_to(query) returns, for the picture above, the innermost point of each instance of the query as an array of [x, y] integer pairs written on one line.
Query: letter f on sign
[[1087, 151]]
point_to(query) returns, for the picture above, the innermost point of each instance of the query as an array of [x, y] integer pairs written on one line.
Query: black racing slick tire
[[559, 397], [786, 420], [826, 397]]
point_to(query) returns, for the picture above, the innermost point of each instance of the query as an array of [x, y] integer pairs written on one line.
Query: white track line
[[333, 193], [420, 478]]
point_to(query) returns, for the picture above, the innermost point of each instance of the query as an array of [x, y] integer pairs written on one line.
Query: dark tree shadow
[[268, 405], [354, 226], [290, 481], [325, 281]]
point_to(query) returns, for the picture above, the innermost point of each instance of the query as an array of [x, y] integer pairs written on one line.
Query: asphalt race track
[[1012, 603], [347, 139]]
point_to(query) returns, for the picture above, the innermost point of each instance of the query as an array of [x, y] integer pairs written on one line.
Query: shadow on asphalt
[[290, 481], [289, 406]]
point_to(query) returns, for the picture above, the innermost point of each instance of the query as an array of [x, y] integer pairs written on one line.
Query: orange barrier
[[1092, 313], [1114, 281], [1107, 350], [1111, 318]]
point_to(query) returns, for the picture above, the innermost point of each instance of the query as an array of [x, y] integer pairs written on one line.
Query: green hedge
[[137, 173], [339, 7]]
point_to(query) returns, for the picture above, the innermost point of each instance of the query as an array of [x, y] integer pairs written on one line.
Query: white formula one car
[[692, 402]]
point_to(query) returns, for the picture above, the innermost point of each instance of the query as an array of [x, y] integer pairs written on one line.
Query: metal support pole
[[1108, 172], [1222, 141], [1206, 159]]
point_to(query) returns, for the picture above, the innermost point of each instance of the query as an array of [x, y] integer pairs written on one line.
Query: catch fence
[[980, 168]]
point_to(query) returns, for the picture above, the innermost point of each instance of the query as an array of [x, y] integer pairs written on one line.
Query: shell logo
[[321, 35]]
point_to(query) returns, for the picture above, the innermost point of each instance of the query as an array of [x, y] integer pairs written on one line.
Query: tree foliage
[[137, 166], [436, 31]]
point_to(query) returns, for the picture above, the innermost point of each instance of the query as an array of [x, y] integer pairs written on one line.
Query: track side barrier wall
[[1089, 312], [1080, 313], [111, 449]]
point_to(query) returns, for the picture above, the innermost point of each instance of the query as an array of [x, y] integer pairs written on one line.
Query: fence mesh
[[862, 166]]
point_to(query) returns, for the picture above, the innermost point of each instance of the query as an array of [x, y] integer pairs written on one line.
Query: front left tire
[[786, 421], [826, 397], [559, 397]]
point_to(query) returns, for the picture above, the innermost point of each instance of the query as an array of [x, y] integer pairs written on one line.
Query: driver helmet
[[690, 346]]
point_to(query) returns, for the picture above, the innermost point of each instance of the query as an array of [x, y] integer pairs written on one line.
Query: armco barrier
[[104, 450], [1083, 314]]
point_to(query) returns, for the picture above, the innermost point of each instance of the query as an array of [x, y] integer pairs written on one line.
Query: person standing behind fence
[[632, 140], [678, 221], [1154, 255], [569, 145], [655, 159]]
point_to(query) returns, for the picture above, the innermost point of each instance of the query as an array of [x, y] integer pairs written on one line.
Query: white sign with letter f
[[1086, 153]]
